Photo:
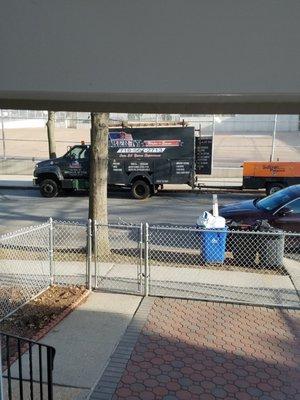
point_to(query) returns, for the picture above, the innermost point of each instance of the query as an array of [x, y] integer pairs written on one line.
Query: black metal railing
[[27, 369]]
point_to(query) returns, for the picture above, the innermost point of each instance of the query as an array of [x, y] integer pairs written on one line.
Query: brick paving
[[196, 350]]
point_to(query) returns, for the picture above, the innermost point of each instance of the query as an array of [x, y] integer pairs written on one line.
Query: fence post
[[1, 380], [51, 253], [140, 275], [95, 251], [89, 255], [146, 260], [50, 359]]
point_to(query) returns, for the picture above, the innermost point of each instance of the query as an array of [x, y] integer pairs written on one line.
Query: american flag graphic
[[120, 136]]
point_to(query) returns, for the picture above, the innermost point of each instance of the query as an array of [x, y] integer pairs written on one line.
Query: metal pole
[[89, 255], [139, 277], [50, 359], [3, 136], [51, 252], [146, 261], [213, 142], [1, 380], [273, 138], [95, 251]]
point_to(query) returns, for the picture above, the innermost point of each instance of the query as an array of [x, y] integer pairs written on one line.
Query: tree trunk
[[50, 132], [98, 180]]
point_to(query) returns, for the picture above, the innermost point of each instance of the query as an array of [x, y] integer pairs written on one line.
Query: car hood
[[243, 208]]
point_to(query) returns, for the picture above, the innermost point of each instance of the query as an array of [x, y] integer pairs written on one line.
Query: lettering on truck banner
[[182, 167], [142, 150], [136, 166]]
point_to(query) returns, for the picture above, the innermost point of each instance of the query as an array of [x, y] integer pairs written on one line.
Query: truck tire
[[49, 188], [273, 187], [140, 190]]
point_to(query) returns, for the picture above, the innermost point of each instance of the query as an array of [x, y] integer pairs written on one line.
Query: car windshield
[[278, 199]]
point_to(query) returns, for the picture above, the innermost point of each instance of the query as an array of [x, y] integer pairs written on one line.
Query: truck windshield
[[278, 199], [77, 153]]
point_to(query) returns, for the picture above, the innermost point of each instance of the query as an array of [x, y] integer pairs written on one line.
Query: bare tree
[[50, 132]]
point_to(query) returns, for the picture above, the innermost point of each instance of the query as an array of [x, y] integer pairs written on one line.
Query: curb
[[18, 187], [110, 378]]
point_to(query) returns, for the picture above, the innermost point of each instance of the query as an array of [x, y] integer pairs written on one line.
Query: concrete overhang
[[155, 103], [172, 56]]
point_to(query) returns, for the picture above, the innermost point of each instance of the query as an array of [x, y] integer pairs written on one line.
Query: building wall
[[244, 123]]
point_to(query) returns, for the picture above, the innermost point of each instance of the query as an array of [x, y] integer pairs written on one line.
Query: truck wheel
[[140, 190], [49, 188], [274, 187]]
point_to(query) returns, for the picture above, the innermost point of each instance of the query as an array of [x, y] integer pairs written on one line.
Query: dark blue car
[[281, 210]]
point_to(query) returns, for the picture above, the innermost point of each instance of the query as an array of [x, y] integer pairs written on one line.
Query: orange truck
[[271, 176]]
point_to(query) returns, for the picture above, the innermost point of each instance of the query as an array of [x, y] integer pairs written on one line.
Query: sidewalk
[[26, 182], [178, 349], [84, 342], [16, 182]]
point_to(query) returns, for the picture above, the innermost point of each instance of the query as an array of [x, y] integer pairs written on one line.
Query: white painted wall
[[199, 56], [258, 123]]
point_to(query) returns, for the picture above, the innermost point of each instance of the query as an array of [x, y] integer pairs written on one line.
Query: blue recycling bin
[[213, 243]]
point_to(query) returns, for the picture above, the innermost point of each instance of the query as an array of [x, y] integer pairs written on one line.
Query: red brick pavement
[[209, 351]]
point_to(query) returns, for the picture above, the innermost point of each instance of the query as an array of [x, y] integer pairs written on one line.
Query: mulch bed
[[36, 318]]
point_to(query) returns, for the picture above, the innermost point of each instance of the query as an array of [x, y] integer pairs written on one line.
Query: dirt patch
[[10, 299], [37, 317], [36, 314]]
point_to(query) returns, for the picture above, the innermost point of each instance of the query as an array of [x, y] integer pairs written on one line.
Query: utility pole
[[3, 136], [274, 138]]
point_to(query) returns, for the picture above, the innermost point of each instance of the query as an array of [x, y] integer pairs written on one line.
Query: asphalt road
[[20, 208]]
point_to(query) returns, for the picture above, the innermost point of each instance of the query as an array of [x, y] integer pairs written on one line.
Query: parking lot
[[20, 208]]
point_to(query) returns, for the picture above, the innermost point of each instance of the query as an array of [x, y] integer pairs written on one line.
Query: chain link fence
[[118, 257], [220, 265], [69, 253], [237, 138], [24, 266], [217, 265]]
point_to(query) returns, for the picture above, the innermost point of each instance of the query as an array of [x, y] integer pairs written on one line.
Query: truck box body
[[161, 155], [259, 175]]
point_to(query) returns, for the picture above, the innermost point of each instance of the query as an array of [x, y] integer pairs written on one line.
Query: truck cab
[[71, 171]]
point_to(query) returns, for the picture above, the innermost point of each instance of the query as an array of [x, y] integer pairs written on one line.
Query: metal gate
[[118, 258]]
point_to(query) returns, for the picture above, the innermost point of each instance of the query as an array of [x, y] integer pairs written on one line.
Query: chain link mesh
[[119, 257], [69, 253], [24, 266], [222, 265], [292, 246], [219, 265]]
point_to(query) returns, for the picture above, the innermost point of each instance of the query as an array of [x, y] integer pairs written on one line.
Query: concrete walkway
[[84, 342]]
